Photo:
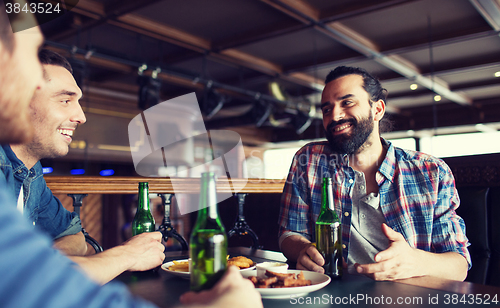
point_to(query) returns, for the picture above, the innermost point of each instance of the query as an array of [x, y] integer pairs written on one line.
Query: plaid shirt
[[417, 196]]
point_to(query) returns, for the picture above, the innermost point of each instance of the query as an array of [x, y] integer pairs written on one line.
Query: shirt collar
[[11, 156], [17, 163], [388, 166]]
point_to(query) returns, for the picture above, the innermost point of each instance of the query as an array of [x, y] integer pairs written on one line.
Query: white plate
[[186, 275], [318, 282]]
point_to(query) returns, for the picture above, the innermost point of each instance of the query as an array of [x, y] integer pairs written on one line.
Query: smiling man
[[397, 207], [55, 113], [32, 273]]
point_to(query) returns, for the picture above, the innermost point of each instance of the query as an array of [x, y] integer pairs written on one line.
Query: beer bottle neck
[[327, 197], [143, 198], [208, 198]]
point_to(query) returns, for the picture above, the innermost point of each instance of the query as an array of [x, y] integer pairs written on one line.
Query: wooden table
[[164, 289]]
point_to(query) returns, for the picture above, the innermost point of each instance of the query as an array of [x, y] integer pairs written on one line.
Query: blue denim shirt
[[40, 205], [35, 275]]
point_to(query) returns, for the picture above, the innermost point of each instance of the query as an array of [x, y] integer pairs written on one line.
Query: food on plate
[[241, 262], [179, 266], [280, 280]]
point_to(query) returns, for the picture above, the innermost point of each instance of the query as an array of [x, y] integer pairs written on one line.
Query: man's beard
[[349, 143]]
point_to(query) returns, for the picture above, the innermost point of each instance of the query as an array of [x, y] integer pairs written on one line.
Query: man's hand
[[231, 291], [140, 253], [396, 262], [310, 259], [146, 251], [401, 261]]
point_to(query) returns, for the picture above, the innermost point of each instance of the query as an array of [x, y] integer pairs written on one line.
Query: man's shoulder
[[416, 158], [4, 158]]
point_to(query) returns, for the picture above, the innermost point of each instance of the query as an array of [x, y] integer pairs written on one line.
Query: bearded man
[[397, 207]]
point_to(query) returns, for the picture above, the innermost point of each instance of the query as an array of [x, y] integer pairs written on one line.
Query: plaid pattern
[[417, 196]]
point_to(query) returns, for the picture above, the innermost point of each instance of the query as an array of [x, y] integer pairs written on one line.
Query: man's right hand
[[146, 251], [310, 259]]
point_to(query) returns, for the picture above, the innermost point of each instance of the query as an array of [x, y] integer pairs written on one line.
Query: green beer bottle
[[208, 242], [143, 220], [328, 233]]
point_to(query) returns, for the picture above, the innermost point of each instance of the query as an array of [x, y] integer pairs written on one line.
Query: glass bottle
[[208, 242], [329, 233], [143, 219]]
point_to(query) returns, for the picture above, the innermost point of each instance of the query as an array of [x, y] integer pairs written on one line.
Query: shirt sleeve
[[448, 231], [294, 210], [75, 226], [53, 218], [35, 275]]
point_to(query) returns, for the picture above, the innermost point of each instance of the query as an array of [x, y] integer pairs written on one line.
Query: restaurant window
[[404, 143], [277, 162], [461, 144]]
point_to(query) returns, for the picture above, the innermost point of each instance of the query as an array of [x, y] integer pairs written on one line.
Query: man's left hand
[[396, 262]]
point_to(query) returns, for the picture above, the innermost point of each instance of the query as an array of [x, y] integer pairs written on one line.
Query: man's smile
[[67, 132], [340, 128]]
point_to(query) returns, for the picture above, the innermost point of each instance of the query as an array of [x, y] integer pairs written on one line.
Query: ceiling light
[[437, 98], [276, 91], [413, 86], [497, 74]]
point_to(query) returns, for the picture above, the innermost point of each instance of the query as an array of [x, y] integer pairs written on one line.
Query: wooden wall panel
[[90, 213]]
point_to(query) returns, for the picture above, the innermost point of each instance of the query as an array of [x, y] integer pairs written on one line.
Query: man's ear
[[378, 110]]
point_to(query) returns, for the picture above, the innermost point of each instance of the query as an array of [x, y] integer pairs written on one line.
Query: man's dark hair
[[49, 57], [371, 85], [6, 35]]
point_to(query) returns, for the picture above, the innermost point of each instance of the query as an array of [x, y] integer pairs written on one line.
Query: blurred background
[[257, 68]]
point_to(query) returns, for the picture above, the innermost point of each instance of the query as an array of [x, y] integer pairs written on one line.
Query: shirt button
[[19, 171], [361, 187], [363, 216], [344, 246], [351, 181], [346, 214]]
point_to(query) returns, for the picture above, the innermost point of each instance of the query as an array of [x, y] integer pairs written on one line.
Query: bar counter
[[128, 185]]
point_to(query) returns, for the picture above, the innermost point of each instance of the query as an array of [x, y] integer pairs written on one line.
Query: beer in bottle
[[143, 220], [208, 242], [328, 233]]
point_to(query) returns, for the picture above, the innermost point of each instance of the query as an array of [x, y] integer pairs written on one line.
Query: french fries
[[241, 262], [278, 280], [179, 266]]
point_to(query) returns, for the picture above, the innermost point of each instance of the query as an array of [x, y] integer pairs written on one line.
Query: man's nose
[[338, 113], [78, 115]]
